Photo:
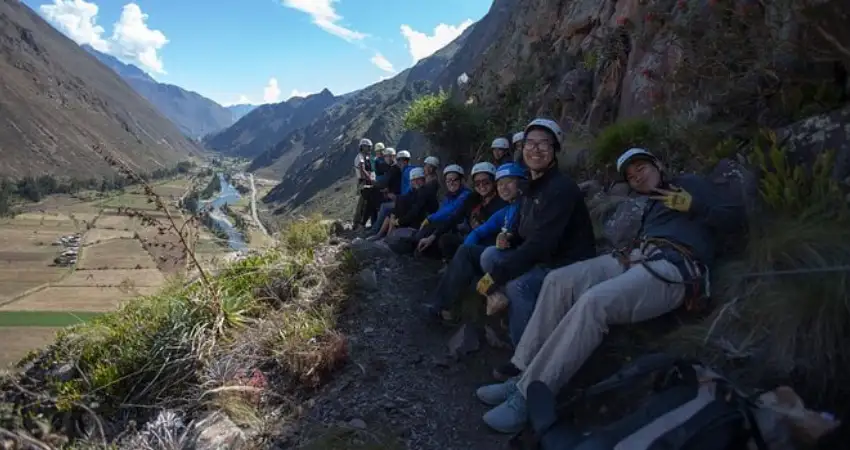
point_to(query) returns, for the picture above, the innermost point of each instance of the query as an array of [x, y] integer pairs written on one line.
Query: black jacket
[[412, 208], [392, 182], [473, 209], [554, 228]]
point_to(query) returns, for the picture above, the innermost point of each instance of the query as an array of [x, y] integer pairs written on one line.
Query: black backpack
[[690, 408]]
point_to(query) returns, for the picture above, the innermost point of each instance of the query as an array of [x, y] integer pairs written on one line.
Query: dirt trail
[[397, 386]]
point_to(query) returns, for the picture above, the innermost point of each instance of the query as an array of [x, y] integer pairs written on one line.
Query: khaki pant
[[575, 307]]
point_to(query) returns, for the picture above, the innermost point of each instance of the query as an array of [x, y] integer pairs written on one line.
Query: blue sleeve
[[492, 226], [448, 208]]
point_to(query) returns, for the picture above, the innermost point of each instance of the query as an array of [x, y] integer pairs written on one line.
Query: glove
[[503, 240], [424, 224], [676, 198], [484, 284]]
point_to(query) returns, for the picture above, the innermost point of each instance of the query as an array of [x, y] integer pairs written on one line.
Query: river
[[227, 195]]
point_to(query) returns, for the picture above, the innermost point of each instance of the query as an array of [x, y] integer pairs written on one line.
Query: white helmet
[[378, 147], [417, 172], [389, 151], [550, 125], [500, 143], [365, 142], [632, 154], [404, 154], [518, 136], [432, 161], [453, 168], [484, 167]]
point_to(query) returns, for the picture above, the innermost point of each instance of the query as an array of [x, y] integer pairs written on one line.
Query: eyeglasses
[[540, 146], [453, 180], [483, 183]]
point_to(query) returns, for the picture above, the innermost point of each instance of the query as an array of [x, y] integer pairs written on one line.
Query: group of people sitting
[[523, 237]]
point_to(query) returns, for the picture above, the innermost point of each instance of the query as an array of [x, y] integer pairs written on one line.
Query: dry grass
[[116, 254], [76, 298], [114, 278], [98, 235], [18, 341], [111, 220]]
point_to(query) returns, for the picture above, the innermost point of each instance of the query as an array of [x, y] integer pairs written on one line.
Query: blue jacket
[[450, 204], [405, 179], [504, 218]]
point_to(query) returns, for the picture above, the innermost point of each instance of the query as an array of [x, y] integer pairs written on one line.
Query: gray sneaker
[[495, 394], [510, 417]]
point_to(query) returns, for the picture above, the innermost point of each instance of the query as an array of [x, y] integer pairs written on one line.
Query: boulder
[[808, 138]]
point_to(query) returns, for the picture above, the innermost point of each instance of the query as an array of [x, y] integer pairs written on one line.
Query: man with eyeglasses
[[666, 268], [553, 230]]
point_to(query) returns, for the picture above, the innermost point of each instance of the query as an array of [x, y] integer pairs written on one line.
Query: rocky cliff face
[[57, 101], [733, 63]]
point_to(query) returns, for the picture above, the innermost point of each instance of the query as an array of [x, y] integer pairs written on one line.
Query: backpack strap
[[729, 407]]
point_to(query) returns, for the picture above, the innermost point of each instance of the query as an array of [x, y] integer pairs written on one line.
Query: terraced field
[[118, 261]]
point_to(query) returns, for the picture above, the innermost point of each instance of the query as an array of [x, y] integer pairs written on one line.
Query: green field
[[44, 318]]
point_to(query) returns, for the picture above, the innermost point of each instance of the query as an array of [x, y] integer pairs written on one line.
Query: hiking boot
[[374, 237], [510, 417], [496, 394], [505, 372]]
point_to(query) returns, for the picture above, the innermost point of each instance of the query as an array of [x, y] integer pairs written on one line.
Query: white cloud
[[422, 45], [243, 100], [77, 19], [135, 41], [131, 41], [325, 17], [382, 63], [271, 93], [297, 93]]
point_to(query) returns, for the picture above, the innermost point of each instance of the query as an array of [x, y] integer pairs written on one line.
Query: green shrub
[[619, 137], [457, 128]]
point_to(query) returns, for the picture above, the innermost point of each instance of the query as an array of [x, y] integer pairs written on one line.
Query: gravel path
[[398, 384]]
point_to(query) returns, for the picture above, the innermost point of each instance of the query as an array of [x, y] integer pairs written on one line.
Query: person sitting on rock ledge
[[501, 149], [398, 184], [478, 207], [664, 269], [508, 179], [553, 228], [412, 207], [453, 201]]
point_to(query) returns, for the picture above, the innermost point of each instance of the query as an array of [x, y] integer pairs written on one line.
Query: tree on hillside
[[455, 128]]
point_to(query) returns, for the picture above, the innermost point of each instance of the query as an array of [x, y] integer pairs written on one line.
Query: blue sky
[[264, 50]]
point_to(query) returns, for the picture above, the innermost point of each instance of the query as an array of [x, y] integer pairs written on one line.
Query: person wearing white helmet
[[364, 172], [482, 203], [501, 150], [409, 211], [553, 229], [516, 142], [665, 269], [380, 164], [431, 166]]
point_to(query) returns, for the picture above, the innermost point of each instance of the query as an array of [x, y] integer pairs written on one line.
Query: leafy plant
[[619, 137], [457, 128]]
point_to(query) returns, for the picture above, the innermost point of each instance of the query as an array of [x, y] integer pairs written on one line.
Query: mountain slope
[[266, 125], [316, 158], [56, 101], [195, 115], [239, 111]]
